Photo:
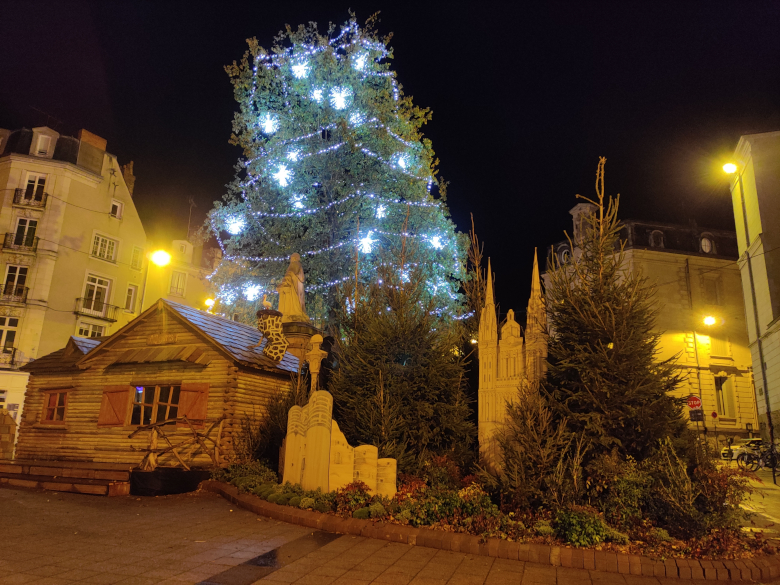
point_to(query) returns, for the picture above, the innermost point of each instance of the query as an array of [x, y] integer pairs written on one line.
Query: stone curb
[[576, 558]]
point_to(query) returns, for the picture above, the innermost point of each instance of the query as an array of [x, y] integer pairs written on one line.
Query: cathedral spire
[[489, 290]]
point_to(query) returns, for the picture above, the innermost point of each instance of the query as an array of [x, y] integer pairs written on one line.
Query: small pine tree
[[603, 372], [400, 380]]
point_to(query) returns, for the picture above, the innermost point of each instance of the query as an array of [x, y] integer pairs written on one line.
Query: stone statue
[[291, 293]]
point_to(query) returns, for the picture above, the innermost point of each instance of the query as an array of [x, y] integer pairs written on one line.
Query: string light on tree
[[316, 95], [381, 211], [235, 225], [367, 243], [269, 123], [340, 97], [252, 292], [283, 175], [300, 70]]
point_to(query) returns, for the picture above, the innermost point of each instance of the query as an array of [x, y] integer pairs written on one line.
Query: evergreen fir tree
[[334, 158], [401, 377], [603, 373]]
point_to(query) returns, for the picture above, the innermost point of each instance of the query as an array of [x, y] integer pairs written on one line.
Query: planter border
[[577, 558]]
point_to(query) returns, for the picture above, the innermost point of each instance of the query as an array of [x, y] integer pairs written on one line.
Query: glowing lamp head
[[473, 341], [709, 320], [729, 168], [161, 258], [209, 303]]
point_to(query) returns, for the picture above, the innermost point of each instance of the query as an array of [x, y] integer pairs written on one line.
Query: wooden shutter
[[193, 402], [114, 406]]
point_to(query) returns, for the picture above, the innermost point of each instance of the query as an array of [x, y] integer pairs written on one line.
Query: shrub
[[617, 487], [660, 535], [580, 527], [323, 507], [283, 498], [616, 536], [295, 501], [274, 498], [254, 469], [543, 528], [306, 503], [377, 510], [351, 497], [361, 513], [441, 472]]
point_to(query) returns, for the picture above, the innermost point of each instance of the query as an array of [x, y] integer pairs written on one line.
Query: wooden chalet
[[170, 388]]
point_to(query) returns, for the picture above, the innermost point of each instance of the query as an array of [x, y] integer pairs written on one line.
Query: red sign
[[694, 402], [714, 415]]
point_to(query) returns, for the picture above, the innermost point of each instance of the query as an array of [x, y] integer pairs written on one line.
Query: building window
[[36, 185], [103, 248], [656, 239], [712, 294], [8, 326], [15, 281], [25, 232], [91, 330], [178, 279], [96, 295], [154, 404], [44, 144], [54, 405], [132, 293], [724, 396], [135, 261], [707, 244], [565, 256], [719, 347], [116, 209]]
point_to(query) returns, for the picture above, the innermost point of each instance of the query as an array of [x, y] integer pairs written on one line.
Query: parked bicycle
[[765, 456]]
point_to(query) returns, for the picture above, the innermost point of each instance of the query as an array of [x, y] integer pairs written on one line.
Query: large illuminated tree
[[335, 167]]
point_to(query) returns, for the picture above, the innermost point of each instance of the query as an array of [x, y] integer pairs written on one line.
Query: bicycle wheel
[[752, 462], [741, 460]]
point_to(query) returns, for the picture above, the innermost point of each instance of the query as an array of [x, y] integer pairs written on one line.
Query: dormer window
[[707, 244], [116, 209], [44, 145], [656, 239]]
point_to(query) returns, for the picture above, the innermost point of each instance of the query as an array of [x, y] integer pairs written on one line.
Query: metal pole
[[143, 290], [756, 320]]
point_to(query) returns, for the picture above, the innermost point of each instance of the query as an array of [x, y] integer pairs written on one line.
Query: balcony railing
[[92, 307], [13, 293], [7, 357], [30, 198], [20, 242]]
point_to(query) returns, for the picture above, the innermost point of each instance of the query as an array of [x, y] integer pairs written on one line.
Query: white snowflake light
[[300, 70], [235, 225], [293, 155], [316, 95], [381, 211], [356, 118], [339, 96], [436, 242], [283, 176], [297, 201], [269, 123], [403, 160], [252, 292], [226, 296], [367, 243], [360, 63]]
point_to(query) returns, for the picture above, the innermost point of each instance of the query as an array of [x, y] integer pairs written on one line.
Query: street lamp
[[729, 168], [709, 320], [158, 258], [209, 303]]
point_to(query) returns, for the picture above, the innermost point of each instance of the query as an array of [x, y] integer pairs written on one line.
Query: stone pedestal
[[298, 335]]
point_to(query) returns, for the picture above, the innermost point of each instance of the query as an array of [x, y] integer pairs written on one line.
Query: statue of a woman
[[291, 293]]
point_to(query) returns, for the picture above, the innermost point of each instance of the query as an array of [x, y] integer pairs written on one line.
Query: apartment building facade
[[701, 313]]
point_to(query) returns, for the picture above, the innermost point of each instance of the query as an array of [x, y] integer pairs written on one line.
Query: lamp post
[[158, 258], [730, 169]]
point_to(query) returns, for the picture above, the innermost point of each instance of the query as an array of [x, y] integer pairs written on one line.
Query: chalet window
[[91, 330], [8, 327], [104, 248], [135, 262], [54, 404], [153, 404], [44, 144], [36, 184], [25, 232], [116, 209], [132, 293], [15, 280], [178, 279]]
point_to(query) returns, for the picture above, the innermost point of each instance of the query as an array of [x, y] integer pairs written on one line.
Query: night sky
[[525, 100]]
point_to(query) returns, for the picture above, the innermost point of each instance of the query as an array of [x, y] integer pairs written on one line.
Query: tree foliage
[[400, 380], [334, 160]]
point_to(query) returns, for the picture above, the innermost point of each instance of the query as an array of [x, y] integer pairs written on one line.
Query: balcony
[[92, 307], [13, 293], [8, 357], [20, 242], [30, 198]]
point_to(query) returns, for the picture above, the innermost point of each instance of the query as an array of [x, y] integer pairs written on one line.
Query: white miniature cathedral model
[[508, 365]]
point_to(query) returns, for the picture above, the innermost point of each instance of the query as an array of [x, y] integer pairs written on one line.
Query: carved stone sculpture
[[291, 292]]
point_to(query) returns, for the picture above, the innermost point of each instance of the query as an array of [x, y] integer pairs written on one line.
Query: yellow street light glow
[[473, 342], [730, 168], [709, 320], [161, 258], [209, 303]]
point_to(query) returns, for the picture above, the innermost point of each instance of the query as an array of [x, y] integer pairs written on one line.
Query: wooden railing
[[154, 451]]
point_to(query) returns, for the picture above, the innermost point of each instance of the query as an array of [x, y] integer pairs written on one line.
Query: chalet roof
[[64, 359], [235, 338], [87, 344]]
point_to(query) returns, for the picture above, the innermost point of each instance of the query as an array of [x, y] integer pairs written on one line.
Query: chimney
[[127, 173], [87, 137]]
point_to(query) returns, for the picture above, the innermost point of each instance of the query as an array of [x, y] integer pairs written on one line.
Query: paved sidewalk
[[53, 538]]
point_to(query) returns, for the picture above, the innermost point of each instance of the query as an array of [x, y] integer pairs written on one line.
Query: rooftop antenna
[[49, 118], [191, 201]]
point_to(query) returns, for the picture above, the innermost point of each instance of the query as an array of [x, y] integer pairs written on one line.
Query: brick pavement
[[53, 538]]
